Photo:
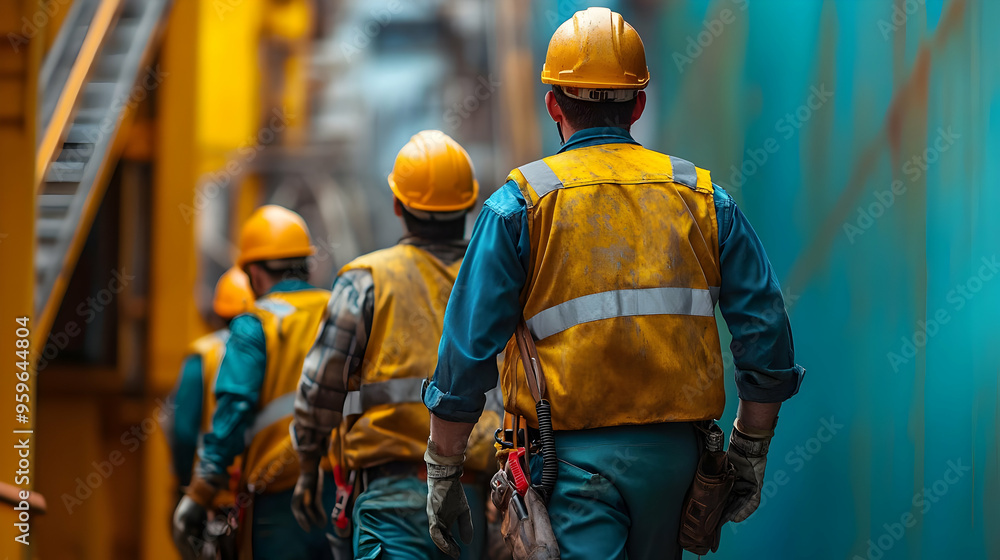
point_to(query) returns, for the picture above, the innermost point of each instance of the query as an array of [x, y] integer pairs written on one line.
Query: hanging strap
[[529, 357]]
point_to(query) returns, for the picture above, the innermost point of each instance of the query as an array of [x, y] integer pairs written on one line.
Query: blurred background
[[861, 138]]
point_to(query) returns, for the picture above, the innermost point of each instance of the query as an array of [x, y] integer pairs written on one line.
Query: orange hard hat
[[273, 232], [434, 173], [232, 294], [596, 49]]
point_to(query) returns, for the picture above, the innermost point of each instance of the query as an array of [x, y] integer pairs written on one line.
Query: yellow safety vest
[[623, 281], [384, 418], [290, 321]]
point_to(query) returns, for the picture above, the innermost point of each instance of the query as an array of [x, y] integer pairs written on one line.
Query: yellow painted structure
[[19, 67], [205, 121]]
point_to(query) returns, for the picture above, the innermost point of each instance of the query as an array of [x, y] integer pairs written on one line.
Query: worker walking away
[[374, 352], [254, 391], [194, 400], [616, 256]]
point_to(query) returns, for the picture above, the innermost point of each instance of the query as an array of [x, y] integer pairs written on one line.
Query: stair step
[[55, 202], [59, 188], [109, 67], [97, 94], [65, 172], [75, 153], [83, 133], [49, 228], [122, 36]]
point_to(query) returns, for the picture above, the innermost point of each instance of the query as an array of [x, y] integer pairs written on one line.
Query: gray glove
[[307, 502], [191, 515], [749, 456], [188, 528], [446, 501]]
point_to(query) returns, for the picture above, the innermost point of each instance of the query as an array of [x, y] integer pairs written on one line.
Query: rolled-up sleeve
[[751, 302], [483, 310]]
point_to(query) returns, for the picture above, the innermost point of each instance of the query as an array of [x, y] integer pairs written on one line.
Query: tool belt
[[524, 518], [701, 514]]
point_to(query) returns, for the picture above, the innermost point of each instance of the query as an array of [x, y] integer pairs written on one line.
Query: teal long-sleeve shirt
[[188, 400], [484, 307], [237, 390]]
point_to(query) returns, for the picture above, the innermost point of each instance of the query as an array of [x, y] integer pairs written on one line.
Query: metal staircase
[[93, 77]]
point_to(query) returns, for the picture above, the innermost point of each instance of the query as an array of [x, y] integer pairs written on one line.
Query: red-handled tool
[[517, 471]]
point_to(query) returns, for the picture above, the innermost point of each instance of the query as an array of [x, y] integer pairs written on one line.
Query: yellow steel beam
[[19, 64], [53, 136], [172, 318]]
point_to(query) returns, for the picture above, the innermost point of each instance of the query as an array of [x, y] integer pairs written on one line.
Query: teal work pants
[[390, 522], [277, 536], [620, 491]]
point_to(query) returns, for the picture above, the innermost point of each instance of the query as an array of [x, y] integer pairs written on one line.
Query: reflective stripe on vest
[[278, 409], [543, 180], [623, 303], [393, 391]]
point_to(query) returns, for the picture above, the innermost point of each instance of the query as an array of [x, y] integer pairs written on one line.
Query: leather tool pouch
[[701, 515], [524, 518]]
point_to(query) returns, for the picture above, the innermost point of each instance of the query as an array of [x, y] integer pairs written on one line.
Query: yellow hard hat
[[434, 173], [232, 294], [596, 49], [273, 232]]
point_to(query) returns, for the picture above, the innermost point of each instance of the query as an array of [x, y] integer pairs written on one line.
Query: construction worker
[[374, 351], [254, 391], [193, 400], [616, 257]]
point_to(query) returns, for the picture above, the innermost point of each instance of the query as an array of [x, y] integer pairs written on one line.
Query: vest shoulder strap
[[606, 164]]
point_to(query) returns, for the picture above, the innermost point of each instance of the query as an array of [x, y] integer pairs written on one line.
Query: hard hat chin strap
[[590, 94]]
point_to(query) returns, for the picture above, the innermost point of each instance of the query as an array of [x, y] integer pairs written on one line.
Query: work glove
[[307, 503], [446, 502], [190, 518], [749, 457]]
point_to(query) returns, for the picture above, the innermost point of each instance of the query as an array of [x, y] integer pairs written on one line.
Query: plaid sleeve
[[335, 357]]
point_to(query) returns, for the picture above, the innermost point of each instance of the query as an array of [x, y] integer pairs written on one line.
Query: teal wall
[[890, 450]]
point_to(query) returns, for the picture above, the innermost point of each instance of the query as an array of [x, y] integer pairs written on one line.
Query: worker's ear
[[397, 207], [640, 104], [555, 111], [254, 272]]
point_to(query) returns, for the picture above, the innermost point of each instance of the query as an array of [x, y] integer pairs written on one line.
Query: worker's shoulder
[[381, 257], [682, 170], [208, 342], [507, 201]]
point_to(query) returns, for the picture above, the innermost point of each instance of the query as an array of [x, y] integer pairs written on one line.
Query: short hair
[[434, 230], [295, 268], [591, 114]]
